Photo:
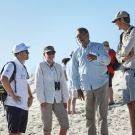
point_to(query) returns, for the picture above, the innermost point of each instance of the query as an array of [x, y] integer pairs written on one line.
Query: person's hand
[[16, 98], [91, 57], [80, 94], [131, 53], [65, 105], [43, 106], [30, 100]]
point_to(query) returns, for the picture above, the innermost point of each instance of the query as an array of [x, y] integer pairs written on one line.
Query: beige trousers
[[59, 111], [97, 100]]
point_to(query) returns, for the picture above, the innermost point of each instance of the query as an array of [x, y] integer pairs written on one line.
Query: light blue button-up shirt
[[93, 75]]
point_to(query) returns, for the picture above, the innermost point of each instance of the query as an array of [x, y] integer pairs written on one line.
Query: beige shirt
[[128, 44], [45, 78]]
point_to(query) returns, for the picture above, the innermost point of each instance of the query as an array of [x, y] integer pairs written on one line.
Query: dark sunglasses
[[106, 45], [50, 53]]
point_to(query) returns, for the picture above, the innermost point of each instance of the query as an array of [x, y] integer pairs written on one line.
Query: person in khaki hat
[[125, 55], [52, 92], [121, 14], [112, 54]]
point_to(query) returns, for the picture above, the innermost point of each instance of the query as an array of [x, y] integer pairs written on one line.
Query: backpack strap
[[130, 29], [121, 35], [26, 72], [12, 78]]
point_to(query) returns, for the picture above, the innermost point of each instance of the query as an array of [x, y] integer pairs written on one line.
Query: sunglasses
[[25, 51], [106, 45], [50, 53]]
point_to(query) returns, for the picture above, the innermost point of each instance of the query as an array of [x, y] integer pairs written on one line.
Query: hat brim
[[49, 51], [26, 48], [113, 21]]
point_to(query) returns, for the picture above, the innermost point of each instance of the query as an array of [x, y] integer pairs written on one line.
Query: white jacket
[[45, 78]]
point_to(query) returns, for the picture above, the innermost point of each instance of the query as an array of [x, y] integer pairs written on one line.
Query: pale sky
[[39, 23]]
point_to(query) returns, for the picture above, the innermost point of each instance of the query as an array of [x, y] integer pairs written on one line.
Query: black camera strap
[[56, 83]]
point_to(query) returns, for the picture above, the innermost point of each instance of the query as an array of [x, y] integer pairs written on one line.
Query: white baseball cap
[[20, 47]]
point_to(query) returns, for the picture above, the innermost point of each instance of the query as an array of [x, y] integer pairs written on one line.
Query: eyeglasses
[[50, 53]]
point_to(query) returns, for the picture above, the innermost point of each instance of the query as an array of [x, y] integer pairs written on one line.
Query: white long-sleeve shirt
[[45, 78]]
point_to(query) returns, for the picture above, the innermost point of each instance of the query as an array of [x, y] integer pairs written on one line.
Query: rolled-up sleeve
[[129, 45], [103, 56], [63, 85], [74, 72], [39, 83]]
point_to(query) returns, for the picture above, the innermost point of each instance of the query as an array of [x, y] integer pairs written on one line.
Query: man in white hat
[[125, 55], [19, 98]]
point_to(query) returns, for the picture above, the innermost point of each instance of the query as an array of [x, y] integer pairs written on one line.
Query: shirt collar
[[49, 64], [87, 45], [18, 62]]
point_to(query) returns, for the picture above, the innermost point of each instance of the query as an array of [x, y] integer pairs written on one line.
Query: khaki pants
[[59, 111], [97, 99]]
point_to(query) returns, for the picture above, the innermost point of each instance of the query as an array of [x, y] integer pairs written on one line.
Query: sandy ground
[[118, 121]]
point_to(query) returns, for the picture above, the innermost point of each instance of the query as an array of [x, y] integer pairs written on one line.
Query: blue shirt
[[93, 75]]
